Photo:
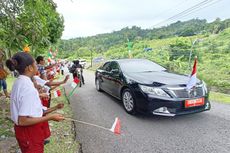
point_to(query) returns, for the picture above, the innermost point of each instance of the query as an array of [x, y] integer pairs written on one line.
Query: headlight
[[154, 91]]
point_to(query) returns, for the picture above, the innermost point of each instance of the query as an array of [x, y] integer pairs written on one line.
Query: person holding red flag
[[25, 106]]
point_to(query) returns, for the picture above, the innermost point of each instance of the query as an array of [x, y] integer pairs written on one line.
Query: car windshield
[[140, 66]]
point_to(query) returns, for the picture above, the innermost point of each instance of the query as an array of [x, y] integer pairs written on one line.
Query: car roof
[[128, 60]]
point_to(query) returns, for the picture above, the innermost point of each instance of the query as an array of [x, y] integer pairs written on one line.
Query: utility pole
[[91, 53]]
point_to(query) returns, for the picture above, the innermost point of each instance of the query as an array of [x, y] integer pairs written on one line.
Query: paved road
[[207, 132]]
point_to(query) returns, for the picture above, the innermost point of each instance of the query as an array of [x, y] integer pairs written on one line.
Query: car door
[[115, 83], [103, 76]]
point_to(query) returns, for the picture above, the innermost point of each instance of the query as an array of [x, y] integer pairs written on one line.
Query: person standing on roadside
[[3, 75], [25, 106]]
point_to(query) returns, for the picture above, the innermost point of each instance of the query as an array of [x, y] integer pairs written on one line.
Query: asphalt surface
[[206, 132]]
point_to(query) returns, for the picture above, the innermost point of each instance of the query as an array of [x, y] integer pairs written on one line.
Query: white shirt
[[40, 81], [24, 99]]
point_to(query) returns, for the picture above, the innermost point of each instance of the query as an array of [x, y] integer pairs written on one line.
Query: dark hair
[[39, 59], [19, 62], [76, 62]]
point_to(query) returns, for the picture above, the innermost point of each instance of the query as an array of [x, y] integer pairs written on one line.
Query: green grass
[[219, 97], [10, 81], [62, 133], [5, 123]]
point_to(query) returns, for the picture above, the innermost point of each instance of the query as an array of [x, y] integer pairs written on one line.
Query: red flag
[[57, 93], [192, 81], [75, 82], [116, 128]]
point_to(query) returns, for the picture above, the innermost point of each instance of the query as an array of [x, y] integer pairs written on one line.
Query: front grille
[[183, 93]]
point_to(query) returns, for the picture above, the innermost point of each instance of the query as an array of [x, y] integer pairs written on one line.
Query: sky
[[84, 18]]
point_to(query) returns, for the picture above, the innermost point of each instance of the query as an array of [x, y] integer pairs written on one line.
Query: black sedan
[[145, 86]]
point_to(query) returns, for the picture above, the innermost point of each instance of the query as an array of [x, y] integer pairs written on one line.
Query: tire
[[98, 85], [128, 101]]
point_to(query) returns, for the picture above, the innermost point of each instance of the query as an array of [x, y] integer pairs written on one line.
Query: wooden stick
[[98, 126]]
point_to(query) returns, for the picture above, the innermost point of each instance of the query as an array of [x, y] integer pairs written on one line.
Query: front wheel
[[128, 101], [98, 86]]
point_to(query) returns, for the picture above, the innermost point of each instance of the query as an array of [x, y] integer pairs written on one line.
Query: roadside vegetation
[[169, 46], [62, 133], [220, 97]]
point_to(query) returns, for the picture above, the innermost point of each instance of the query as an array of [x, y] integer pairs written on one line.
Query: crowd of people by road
[[30, 97]]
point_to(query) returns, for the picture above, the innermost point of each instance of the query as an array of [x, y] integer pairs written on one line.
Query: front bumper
[[168, 106]]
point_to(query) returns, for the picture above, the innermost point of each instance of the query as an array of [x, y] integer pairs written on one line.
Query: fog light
[[207, 106], [163, 111]]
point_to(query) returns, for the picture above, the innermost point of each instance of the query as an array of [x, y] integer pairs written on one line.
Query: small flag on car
[[192, 81]]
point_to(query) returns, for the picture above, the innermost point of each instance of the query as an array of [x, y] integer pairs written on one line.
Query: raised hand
[[66, 78], [56, 117], [60, 106]]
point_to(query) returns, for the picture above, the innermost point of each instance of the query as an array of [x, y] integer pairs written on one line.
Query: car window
[[114, 65], [106, 67], [140, 66]]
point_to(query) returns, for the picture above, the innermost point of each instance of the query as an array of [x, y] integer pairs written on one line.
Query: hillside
[[171, 47]]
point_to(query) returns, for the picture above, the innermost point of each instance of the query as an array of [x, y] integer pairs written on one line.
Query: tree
[[180, 49], [35, 23]]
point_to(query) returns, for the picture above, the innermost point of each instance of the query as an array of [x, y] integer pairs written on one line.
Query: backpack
[[72, 69], [3, 74]]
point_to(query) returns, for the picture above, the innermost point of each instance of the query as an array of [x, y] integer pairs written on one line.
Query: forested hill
[[169, 46], [104, 41]]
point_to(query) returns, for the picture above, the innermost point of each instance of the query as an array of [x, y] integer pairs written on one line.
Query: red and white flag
[[57, 93], [192, 81], [116, 128], [75, 82]]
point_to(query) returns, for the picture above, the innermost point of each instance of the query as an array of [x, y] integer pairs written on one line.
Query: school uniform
[[45, 102], [25, 101], [41, 82]]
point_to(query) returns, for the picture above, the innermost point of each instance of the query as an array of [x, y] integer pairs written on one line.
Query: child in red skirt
[[25, 106]]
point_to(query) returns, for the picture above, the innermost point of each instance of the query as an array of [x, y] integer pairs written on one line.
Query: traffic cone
[[116, 128]]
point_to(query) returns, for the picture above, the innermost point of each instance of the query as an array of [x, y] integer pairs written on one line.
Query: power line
[[198, 9], [183, 12], [188, 11], [172, 8]]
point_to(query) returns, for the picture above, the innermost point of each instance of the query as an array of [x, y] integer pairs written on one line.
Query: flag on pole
[[74, 85], [57, 93], [75, 82], [116, 128], [192, 81], [49, 60]]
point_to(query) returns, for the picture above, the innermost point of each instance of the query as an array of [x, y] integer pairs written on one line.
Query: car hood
[[158, 78]]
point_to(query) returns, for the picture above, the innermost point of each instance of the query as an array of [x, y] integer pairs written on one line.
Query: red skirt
[[31, 138], [45, 102]]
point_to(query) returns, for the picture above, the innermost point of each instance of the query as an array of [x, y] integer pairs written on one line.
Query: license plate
[[194, 102]]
